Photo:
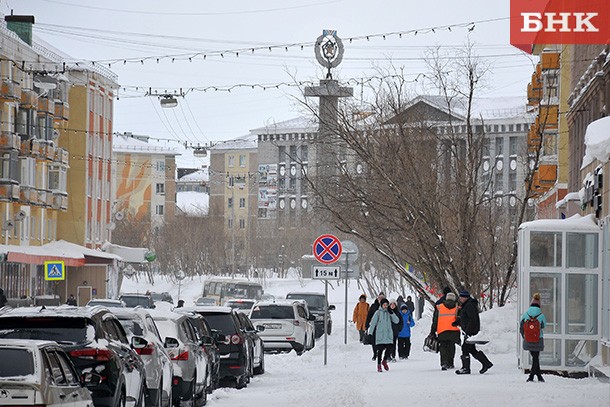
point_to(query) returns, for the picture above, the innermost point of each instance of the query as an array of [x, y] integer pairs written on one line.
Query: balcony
[[9, 141], [29, 99], [60, 200], [62, 110], [550, 60], [48, 151], [32, 148], [61, 156], [9, 190], [46, 105], [28, 195], [42, 197], [10, 90]]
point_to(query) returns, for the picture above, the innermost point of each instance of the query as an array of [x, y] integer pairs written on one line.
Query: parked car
[[288, 325], [240, 305], [209, 339], [106, 302], [40, 373], [96, 343], [316, 303], [205, 301], [235, 350], [133, 300], [258, 347], [191, 374], [164, 296], [159, 368]]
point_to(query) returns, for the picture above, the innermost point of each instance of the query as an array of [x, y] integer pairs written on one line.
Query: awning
[[71, 254]]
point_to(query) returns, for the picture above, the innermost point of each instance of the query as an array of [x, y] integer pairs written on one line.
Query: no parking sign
[[327, 249]]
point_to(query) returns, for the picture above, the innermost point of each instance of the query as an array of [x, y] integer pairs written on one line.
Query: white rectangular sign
[[325, 272]]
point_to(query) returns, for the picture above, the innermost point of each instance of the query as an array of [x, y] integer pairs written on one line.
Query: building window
[[230, 223], [242, 202], [512, 141], [512, 181], [230, 203], [499, 146], [159, 209], [27, 175], [304, 153], [8, 164], [58, 178], [160, 165], [242, 160], [282, 154], [231, 181], [160, 189], [242, 223], [231, 161], [293, 153]]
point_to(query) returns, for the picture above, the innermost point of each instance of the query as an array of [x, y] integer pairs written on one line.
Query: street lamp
[[168, 101]]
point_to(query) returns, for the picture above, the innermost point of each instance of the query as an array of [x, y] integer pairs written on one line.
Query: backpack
[[531, 329]]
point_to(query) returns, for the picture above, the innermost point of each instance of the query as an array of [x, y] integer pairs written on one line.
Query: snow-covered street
[[350, 377]]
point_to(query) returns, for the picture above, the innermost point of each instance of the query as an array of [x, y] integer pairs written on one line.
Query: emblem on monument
[[329, 50]]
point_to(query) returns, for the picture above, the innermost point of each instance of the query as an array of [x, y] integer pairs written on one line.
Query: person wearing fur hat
[[534, 348], [381, 325], [361, 310], [448, 335], [404, 336], [468, 320]]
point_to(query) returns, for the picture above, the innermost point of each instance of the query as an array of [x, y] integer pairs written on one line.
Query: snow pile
[[597, 141]]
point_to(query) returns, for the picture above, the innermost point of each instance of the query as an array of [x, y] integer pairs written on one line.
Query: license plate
[[273, 326]]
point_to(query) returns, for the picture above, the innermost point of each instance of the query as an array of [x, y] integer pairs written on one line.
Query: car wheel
[[261, 368], [241, 382]]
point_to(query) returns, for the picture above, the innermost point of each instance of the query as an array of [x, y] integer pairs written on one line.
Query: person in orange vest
[[445, 314], [361, 310]]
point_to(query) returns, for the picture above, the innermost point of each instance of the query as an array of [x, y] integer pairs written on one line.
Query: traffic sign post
[[350, 249], [325, 272]]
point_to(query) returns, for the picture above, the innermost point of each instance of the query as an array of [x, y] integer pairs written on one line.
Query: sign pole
[[346, 272], [325, 320]]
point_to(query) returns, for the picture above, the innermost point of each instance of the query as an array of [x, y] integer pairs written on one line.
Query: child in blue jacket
[[404, 336]]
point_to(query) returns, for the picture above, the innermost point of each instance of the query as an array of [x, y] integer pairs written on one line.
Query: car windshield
[[313, 301], [109, 304], [16, 362], [272, 312], [133, 301], [167, 327], [131, 326], [221, 322], [58, 329]]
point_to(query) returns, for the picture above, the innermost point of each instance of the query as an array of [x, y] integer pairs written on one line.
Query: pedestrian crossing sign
[[54, 270]]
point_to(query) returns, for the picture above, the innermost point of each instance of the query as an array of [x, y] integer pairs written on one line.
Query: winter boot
[[480, 356], [379, 368], [465, 366], [385, 365]]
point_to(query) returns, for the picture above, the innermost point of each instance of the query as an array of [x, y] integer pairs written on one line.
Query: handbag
[[431, 344], [368, 339]]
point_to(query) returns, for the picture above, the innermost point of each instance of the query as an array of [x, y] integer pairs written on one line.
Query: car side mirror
[[171, 343], [260, 328], [312, 317], [208, 340], [90, 379], [331, 307], [137, 342]]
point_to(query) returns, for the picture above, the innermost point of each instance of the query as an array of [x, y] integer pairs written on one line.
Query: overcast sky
[[144, 30]]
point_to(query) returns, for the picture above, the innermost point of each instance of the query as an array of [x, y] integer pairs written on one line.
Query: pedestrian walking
[[374, 307], [468, 320], [404, 336], [381, 325], [446, 290], [410, 305], [443, 327], [361, 310], [396, 328], [3, 299], [533, 321], [71, 300]]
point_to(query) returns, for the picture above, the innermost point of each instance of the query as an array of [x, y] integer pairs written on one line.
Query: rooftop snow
[[597, 141], [241, 143], [130, 144], [301, 124]]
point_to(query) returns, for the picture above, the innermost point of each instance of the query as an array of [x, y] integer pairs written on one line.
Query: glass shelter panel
[[545, 249], [579, 352], [551, 355], [582, 250], [582, 304], [549, 287]]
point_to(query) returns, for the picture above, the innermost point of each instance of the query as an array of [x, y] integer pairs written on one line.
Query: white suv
[[288, 325]]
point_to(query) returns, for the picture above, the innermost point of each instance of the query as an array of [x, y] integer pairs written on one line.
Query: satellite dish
[[19, 216], [119, 215], [8, 224], [45, 86], [111, 226]]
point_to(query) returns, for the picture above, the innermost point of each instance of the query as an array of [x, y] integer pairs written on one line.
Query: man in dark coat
[[3, 299], [374, 307], [468, 320], [446, 291], [410, 305]]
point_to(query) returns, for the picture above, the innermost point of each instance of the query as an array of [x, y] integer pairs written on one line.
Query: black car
[[258, 347], [96, 343], [164, 296], [236, 349], [316, 302]]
